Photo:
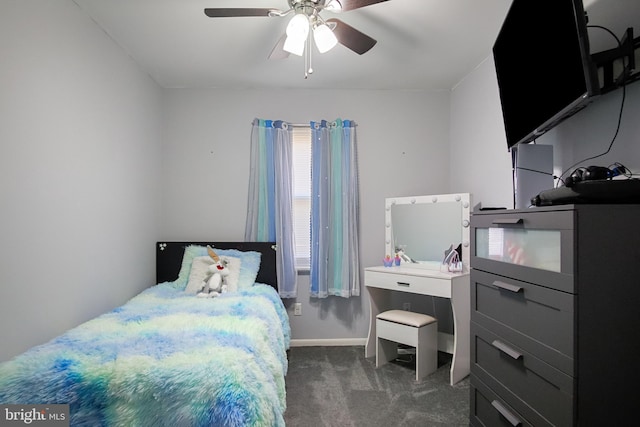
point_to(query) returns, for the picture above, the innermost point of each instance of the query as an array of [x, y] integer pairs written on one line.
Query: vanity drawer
[[396, 281], [488, 409], [537, 319], [536, 247], [546, 390]]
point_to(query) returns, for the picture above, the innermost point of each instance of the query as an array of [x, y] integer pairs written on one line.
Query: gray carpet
[[337, 386]]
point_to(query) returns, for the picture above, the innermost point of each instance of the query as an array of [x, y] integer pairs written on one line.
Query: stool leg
[[427, 351], [386, 351]]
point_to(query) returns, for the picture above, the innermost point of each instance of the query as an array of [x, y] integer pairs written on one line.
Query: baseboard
[[445, 342], [333, 342]]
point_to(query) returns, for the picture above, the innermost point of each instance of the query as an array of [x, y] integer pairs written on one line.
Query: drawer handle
[[506, 413], [507, 286], [507, 221], [403, 284], [506, 349]]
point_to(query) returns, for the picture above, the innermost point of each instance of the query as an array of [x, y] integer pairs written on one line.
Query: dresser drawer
[[544, 318], [396, 281], [536, 247], [488, 409], [546, 390]]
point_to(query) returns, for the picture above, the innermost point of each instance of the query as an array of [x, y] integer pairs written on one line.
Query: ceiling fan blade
[[354, 39], [278, 52], [230, 12], [357, 4]]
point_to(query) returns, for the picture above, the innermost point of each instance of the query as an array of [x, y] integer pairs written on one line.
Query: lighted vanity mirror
[[425, 227]]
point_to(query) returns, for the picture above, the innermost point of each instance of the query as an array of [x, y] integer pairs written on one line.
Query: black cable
[[538, 171], [535, 170], [624, 95]]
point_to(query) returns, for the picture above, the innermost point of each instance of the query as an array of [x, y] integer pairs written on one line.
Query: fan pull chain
[[308, 69]]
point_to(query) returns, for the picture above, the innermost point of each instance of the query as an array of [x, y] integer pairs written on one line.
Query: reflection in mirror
[[424, 231], [426, 228]]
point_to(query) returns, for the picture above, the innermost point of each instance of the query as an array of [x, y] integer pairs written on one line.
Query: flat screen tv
[[543, 65]]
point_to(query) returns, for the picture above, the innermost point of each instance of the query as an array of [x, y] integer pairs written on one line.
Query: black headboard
[[169, 258]]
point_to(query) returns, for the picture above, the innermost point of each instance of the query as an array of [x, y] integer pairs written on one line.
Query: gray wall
[[80, 140], [590, 132], [402, 151], [207, 145], [98, 163], [477, 130], [480, 162], [476, 124]]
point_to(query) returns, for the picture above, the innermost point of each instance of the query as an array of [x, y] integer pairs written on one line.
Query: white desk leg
[[460, 305], [379, 301]]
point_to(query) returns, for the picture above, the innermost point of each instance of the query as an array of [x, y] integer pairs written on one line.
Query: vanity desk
[[423, 228], [380, 281]]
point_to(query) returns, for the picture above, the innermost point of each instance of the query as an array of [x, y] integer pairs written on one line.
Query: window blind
[[302, 194]]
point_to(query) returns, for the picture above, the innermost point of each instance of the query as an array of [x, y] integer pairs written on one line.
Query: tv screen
[[543, 66]]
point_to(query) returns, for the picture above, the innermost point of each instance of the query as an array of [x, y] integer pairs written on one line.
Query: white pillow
[[200, 268]]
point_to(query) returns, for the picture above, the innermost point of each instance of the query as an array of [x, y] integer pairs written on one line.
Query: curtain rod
[[296, 125], [307, 125], [304, 125]]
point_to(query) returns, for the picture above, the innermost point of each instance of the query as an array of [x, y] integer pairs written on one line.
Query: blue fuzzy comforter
[[164, 358]]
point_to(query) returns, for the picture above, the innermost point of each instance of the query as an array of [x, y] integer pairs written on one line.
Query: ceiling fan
[[306, 18]]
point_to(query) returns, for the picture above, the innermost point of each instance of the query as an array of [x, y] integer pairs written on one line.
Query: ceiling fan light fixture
[[294, 45], [297, 33], [298, 27], [324, 38]]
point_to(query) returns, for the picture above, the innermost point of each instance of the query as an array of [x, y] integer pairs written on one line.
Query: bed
[[167, 357]]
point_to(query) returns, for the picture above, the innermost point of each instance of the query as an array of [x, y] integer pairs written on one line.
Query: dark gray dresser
[[555, 316]]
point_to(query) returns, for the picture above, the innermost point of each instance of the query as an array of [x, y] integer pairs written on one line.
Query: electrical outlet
[[406, 306], [297, 309]]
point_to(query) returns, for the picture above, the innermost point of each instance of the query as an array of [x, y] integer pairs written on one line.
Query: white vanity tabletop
[[416, 271]]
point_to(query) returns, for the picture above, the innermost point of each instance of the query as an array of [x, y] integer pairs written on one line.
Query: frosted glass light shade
[[297, 33], [294, 45], [324, 38], [298, 26]]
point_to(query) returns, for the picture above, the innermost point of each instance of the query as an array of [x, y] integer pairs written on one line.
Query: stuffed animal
[[215, 282]]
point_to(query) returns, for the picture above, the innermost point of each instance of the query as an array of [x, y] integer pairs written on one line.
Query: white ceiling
[[428, 44], [422, 44]]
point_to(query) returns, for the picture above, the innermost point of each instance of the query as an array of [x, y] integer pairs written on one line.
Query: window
[[302, 194]]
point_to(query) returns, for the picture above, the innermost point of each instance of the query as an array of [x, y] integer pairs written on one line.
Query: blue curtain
[[335, 266], [270, 209]]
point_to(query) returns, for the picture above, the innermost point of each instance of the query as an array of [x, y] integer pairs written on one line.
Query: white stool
[[409, 328]]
